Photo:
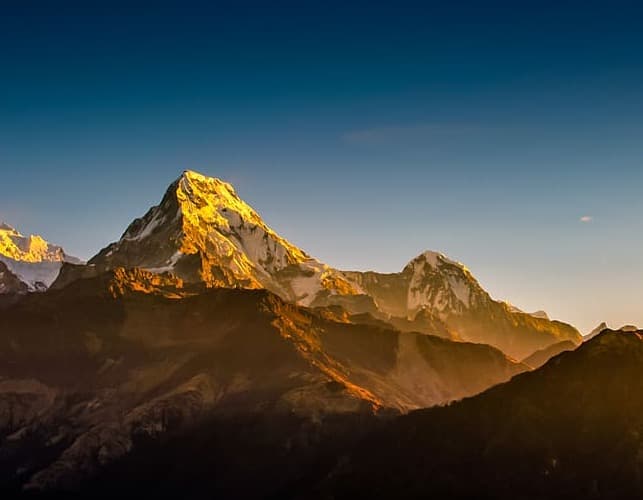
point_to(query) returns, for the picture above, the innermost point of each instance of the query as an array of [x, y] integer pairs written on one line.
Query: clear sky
[[508, 135]]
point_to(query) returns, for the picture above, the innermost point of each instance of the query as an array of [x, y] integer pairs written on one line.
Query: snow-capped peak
[[31, 259], [435, 258], [206, 202], [202, 230], [441, 284], [32, 248]]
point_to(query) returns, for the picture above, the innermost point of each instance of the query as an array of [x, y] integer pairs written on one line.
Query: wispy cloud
[[407, 134], [586, 218]]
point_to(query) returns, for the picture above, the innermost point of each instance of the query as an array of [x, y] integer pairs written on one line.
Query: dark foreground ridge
[[249, 415], [572, 429], [131, 366]]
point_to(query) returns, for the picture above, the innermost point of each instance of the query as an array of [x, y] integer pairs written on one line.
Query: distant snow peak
[[436, 258], [31, 248], [31, 259], [442, 284]]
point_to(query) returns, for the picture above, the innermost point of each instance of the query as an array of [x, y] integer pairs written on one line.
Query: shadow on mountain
[[113, 367], [572, 429]]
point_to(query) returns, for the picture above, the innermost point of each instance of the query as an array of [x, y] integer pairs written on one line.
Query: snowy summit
[[29, 260]]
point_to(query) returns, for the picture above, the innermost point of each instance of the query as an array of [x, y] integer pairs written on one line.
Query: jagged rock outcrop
[[9, 282]]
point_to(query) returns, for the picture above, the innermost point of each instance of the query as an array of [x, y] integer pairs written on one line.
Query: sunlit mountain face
[[28, 263]]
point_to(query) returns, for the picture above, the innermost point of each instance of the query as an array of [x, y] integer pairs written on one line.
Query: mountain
[[603, 326], [432, 283], [28, 263], [203, 232], [595, 331], [113, 364], [541, 356], [571, 429]]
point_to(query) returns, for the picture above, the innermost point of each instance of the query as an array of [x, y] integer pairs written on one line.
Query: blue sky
[[364, 133]]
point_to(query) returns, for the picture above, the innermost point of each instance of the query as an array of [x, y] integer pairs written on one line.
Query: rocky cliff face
[[9, 282]]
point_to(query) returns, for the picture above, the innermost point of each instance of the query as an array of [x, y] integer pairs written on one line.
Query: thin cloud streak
[[408, 134]]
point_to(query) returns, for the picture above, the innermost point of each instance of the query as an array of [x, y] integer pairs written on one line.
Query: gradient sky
[[363, 133]]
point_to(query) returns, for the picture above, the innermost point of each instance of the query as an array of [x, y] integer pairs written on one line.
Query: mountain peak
[[187, 173], [32, 248], [30, 259], [434, 259], [209, 199], [214, 184], [603, 326], [441, 283], [202, 231]]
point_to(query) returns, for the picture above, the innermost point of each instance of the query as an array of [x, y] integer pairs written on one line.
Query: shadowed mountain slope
[[89, 370], [572, 429], [541, 356]]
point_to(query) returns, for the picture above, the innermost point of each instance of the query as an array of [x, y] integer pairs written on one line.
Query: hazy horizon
[[507, 138]]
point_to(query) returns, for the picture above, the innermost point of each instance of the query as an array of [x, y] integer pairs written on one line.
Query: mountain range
[[202, 325], [202, 232]]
